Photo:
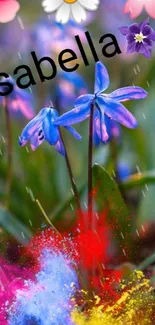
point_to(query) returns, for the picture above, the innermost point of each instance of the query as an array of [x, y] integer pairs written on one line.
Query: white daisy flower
[[70, 8]]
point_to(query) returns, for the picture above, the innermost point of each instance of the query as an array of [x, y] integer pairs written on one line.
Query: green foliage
[[14, 227], [108, 196], [138, 180]]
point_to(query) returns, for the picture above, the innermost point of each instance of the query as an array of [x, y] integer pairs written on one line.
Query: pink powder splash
[[8, 10], [11, 279]]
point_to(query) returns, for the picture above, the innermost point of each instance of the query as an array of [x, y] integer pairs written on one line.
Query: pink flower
[[8, 10], [135, 7]]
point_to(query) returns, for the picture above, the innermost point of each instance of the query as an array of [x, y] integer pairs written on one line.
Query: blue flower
[[48, 36], [69, 86], [42, 128], [105, 105], [124, 170], [113, 130], [19, 101]]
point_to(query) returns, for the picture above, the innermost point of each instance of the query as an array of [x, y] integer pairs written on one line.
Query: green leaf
[[137, 180], [14, 227], [69, 204], [145, 181], [108, 195]]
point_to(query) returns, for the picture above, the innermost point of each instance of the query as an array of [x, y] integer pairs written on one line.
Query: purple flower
[[140, 38], [42, 128], [105, 105], [19, 101]]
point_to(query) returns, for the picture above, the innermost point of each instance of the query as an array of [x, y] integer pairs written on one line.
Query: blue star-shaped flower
[[105, 105], [42, 128]]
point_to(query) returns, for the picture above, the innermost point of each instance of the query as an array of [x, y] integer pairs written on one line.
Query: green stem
[[75, 191], [90, 160], [9, 155], [148, 261], [47, 218]]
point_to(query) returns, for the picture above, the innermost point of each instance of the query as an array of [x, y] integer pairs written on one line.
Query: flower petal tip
[[134, 125], [144, 93], [123, 30], [20, 142]]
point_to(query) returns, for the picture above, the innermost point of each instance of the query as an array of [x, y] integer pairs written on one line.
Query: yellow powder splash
[[134, 307]]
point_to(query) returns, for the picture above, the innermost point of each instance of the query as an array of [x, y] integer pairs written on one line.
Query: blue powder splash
[[47, 300]]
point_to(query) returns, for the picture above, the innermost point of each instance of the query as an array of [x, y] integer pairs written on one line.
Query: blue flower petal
[[74, 116], [127, 93], [73, 132], [117, 112], [37, 139], [32, 127], [51, 131], [101, 78], [84, 99], [96, 139], [113, 128], [60, 147], [100, 126], [124, 170]]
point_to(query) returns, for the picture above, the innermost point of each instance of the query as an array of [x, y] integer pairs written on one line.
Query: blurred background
[[42, 175]]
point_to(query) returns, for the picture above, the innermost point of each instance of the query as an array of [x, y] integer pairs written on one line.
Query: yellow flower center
[[139, 37], [70, 1]]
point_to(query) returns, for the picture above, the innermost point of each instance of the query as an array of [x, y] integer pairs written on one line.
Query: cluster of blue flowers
[[107, 108]]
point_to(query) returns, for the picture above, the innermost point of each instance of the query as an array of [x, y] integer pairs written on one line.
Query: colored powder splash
[[11, 279], [136, 305], [48, 299], [81, 243]]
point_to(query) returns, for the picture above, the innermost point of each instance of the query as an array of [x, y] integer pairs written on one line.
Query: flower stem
[[75, 191], [90, 160], [9, 154], [47, 218]]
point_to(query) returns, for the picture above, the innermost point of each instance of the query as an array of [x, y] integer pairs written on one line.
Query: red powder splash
[[82, 244], [88, 248], [92, 241]]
